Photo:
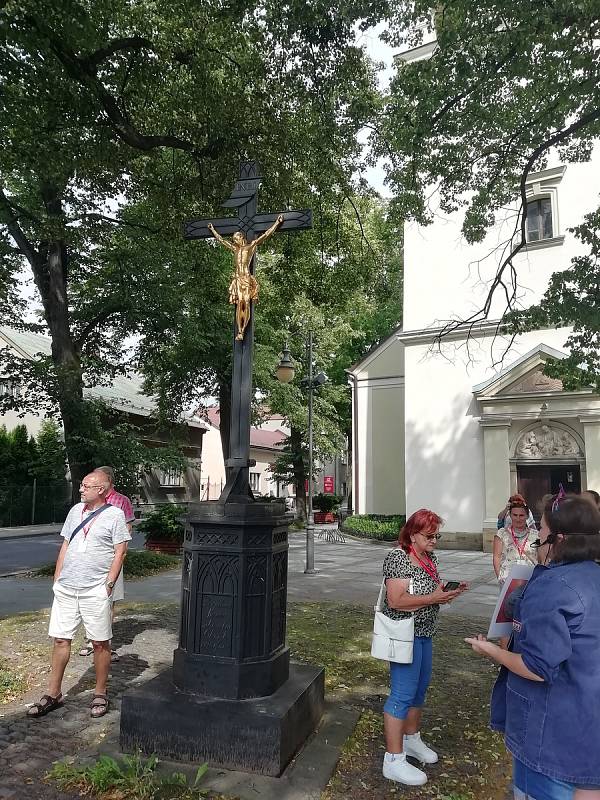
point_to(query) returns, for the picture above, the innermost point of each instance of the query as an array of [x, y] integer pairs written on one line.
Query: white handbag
[[393, 639]]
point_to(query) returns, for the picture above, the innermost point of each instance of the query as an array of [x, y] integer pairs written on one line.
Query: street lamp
[[285, 373]]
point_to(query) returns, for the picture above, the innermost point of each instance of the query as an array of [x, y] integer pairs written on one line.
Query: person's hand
[[480, 644], [108, 589], [441, 597], [280, 219]]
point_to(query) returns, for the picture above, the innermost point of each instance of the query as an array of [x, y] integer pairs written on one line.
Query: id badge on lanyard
[[82, 544]]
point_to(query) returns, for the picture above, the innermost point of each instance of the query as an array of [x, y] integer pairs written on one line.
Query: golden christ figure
[[243, 288]]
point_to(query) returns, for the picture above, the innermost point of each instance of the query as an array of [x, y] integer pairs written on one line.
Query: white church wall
[[447, 278], [445, 468], [380, 434]]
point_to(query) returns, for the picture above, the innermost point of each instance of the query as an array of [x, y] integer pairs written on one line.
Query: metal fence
[[34, 503]]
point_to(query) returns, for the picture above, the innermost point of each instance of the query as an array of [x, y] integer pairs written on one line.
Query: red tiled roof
[[262, 438], [258, 436]]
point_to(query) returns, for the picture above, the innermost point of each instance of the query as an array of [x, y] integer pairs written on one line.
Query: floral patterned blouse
[[510, 555], [397, 564]]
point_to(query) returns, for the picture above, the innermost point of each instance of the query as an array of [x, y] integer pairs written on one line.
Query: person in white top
[[88, 564]]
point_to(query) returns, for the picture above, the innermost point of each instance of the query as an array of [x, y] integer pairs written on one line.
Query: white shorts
[[71, 607]]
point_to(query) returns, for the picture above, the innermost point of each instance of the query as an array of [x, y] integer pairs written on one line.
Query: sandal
[[99, 705], [87, 649], [45, 706], [114, 656]]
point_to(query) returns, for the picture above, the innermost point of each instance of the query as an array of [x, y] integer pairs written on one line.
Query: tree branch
[[101, 317], [15, 230], [84, 72], [116, 46]]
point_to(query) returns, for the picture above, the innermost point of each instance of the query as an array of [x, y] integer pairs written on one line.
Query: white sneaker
[[396, 768], [414, 746]]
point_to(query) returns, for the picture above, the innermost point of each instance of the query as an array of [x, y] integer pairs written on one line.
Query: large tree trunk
[[297, 455], [50, 274]]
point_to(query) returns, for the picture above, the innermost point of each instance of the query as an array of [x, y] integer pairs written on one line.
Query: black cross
[[251, 224]]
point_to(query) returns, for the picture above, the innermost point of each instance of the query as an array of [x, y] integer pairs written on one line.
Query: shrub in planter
[[163, 528], [325, 506], [375, 526]]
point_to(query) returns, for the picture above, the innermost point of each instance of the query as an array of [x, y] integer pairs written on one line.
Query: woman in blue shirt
[[547, 696]]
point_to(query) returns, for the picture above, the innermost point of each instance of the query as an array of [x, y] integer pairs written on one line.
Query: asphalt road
[[36, 551]]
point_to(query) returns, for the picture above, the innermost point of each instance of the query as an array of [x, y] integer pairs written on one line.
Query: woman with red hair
[[413, 561]]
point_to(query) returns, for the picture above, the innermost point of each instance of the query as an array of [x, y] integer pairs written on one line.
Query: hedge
[[374, 526]]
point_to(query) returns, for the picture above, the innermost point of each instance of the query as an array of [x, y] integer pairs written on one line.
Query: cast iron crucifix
[[252, 225]]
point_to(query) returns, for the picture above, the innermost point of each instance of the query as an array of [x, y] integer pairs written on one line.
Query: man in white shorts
[[121, 501], [90, 559]]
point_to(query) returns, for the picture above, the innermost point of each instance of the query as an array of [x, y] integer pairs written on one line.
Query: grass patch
[[12, 683], [132, 778], [474, 764], [138, 564]]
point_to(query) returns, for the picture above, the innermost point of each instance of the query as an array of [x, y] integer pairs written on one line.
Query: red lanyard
[[86, 530], [429, 567], [520, 549]]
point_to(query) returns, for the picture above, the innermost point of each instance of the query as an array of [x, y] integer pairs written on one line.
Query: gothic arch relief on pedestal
[[547, 441]]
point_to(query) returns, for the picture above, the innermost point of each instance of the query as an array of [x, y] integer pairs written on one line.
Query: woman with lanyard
[[412, 561], [514, 543]]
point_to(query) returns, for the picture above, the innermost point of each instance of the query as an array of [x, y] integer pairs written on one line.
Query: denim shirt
[[553, 726]]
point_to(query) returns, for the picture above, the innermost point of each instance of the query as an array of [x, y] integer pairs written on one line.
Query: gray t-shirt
[[89, 556]]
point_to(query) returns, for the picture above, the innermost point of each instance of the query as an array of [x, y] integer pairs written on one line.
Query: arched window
[[539, 220]]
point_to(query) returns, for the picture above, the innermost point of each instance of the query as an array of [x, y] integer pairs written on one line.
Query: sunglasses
[[431, 537], [539, 543]]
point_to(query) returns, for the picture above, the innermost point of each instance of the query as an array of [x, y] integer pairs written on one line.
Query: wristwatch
[[111, 584]]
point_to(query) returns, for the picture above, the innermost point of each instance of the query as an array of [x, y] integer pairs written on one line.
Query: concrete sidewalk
[[347, 573], [24, 531]]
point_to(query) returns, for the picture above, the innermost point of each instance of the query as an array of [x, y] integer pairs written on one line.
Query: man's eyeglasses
[[431, 537], [87, 486]]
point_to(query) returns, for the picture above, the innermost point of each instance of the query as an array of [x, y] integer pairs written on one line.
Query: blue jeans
[[532, 785], [409, 682]]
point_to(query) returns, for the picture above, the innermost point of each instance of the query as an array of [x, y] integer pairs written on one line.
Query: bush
[[326, 502], [375, 526], [138, 564], [164, 523]]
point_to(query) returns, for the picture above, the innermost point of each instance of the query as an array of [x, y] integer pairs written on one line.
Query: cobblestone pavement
[[28, 747]]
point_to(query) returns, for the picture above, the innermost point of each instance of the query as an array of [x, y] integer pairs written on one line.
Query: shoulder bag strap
[[379, 605], [85, 521]]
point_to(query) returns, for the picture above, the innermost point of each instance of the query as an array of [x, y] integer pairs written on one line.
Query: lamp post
[[285, 374]]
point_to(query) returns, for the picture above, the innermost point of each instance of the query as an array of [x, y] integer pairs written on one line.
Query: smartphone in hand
[[451, 586]]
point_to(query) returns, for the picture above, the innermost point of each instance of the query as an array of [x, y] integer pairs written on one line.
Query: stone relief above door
[[546, 441]]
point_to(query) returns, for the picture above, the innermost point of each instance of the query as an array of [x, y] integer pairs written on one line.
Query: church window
[[539, 219]]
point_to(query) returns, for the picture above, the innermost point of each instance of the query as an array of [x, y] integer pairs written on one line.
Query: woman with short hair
[[547, 696], [412, 561]]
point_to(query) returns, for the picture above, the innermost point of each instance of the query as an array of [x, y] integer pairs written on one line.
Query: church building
[[457, 423]]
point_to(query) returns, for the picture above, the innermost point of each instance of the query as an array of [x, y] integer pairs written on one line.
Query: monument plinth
[[232, 697]]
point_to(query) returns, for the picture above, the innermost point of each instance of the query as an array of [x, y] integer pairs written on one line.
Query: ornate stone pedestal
[[230, 698]]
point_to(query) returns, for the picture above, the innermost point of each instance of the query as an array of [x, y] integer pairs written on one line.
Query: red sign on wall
[[328, 484]]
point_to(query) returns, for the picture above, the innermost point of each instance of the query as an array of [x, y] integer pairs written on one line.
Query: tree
[[51, 461], [113, 109], [507, 84]]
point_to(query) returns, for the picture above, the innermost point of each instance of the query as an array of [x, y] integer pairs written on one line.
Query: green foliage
[[164, 523], [326, 502], [140, 563], [133, 777], [51, 457], [375, 526]]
